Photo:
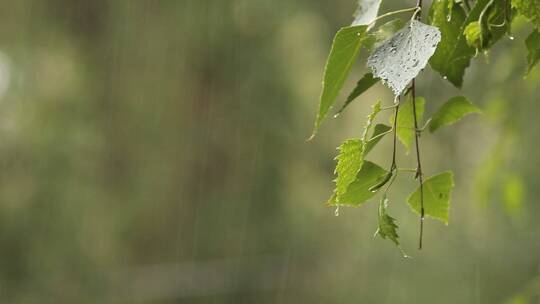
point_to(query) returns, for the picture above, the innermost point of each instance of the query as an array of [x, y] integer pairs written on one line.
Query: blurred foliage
[[153, 152]]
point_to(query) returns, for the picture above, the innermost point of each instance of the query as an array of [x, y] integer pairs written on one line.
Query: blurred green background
[[154, 152]]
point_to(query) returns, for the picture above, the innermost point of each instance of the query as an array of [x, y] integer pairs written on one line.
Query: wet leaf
[[452, 111], [399, 59], [436, 196], [387, 224], [343, 54], [358, 192]]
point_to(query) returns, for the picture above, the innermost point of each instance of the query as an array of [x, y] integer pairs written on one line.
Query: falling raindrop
[[336, 212], [511, 37]]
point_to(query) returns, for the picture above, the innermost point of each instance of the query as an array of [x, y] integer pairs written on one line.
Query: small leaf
[[533, 47], [473, 35], [366, 12], [405, 124], [436, 196], [362, 85], [349, 163], [345, 49], [530, 9], [378, 133], [351, 156], [453, 110], [387, 224], [358, 191], [399, 59]]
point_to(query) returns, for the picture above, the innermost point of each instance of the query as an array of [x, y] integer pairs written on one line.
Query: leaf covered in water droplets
[[399, 60]]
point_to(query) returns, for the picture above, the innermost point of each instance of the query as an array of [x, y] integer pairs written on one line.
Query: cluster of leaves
[[455, 32]]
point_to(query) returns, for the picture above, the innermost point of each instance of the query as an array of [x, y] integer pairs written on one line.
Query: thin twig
[[394, 12], [419, 173]]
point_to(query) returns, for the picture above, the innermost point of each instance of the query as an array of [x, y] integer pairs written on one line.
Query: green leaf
[[405, 123], [358, 192], [383, 33], [530, 9], [453, 55], [378, 133], [362, 85], [453, 110], [387, 224], [345, 49], [533, 47], [366, 12], [436, 196], [349, 163], [351, 156], [398, 60]]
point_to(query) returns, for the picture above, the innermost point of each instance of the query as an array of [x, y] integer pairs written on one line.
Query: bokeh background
[[154, 152]]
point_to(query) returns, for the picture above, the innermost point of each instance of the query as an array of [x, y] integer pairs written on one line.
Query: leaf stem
[[405, 10]]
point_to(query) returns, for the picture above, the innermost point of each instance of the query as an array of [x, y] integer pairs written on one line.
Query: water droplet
[[444, 77], [336, 213], [511, 37], [357, 34]]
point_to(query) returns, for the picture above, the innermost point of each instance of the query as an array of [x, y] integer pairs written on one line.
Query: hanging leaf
[[453, 54], [343, 54], [452, 111], [378, 133], [358, 192], [405, 124], [436, 196], [351, 157], [533, 47], [362, 85], [366, 12], [399, 60], [387, 224], [530, 9]]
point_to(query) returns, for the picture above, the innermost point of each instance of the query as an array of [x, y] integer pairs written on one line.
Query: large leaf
[[453, 54], [362, 85], [351, 156], [358, 192], [529, 9], [405, 123], [450, 112], [366, 12], [533, 47], [387, 224], [343, 54], [399, 59], [436, 196]]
